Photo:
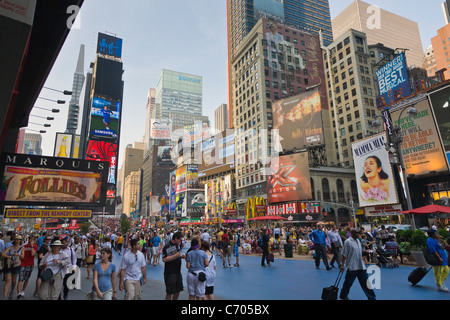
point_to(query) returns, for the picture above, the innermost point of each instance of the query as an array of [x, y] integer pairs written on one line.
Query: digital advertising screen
[[104, 151], [109, 45], [63, 145], [440, 101], [105, 116]]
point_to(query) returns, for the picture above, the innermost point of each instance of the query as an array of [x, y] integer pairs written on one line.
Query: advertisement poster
[[299, 120], [161, 129], [164, 154], [393, 81], [422, 148], [42, 213], [63, 145], [181, 180], [375, 181], [105, 115], [32, 180], [104, 151], [440, 102], [291, 180], [173, 187], [192, 178], [40, 185]]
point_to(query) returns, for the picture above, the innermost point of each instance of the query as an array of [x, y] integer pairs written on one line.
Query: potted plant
[[418, 242]]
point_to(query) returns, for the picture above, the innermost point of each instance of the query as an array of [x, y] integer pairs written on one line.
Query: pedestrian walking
[[13, 254], [196, 262], [79, 250], [336, 245], [132, 272], [27, 265], [210, 271], [236, 245], [171, 256], [55, 261], [440, 271], [104, 277], [353, 262], [319, 239], [264, 244], [92, 255]]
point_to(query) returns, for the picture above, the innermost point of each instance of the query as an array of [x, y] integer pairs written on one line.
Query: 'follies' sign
[[39, 180]]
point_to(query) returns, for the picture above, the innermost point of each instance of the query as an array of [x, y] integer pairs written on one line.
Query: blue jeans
[[362, 278]]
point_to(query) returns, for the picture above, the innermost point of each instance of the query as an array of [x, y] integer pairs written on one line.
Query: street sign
[[199, 204]]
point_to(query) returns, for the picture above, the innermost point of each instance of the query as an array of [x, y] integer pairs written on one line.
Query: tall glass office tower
[[179, 97]]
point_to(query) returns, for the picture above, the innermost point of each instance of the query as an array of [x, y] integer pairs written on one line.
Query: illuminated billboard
[[376, 183], [105, 115], [298, 120], [422, 148], [109, 46], [104, 151], [39, 180], [290, 180]]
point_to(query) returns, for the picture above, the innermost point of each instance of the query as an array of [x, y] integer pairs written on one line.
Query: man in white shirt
[[205, 236], [353, 262], [132, 272]]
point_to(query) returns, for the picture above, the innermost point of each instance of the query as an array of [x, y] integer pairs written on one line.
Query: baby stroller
[[385, 259]]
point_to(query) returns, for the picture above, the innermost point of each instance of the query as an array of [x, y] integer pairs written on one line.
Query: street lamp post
[[394, 146]]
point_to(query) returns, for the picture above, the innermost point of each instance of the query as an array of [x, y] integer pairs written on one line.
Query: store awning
[[432, 208]]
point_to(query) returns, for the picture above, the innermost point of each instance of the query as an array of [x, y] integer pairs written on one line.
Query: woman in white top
[[210, 271], [56, 261]]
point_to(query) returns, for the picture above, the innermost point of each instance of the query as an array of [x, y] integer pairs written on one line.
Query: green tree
[[84, 227], [418, 239], [125, 225]]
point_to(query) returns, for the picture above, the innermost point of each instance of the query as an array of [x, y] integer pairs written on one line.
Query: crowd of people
[[57, 257]]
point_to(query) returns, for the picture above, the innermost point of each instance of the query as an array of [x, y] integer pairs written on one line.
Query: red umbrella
[[432, 208], [267, 218]]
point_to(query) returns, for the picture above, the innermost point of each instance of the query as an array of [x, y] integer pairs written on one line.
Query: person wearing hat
[[12, 255], [441, 271], [56, 261]]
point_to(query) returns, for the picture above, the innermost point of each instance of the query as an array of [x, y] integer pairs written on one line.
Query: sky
[[181, 35]]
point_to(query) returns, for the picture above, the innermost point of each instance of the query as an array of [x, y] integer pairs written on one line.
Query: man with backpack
[[227, 248]]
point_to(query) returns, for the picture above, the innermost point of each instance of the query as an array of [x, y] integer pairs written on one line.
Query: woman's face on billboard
[[371, 168]]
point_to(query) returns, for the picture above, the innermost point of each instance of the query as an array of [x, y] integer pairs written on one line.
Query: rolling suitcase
[[417, 275], [331, 293]]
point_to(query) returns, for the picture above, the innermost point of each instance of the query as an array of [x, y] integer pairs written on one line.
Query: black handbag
[[430, 258], [331, 293], [46, 275]]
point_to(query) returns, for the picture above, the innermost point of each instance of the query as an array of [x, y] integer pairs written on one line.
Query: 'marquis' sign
[[52, 181]]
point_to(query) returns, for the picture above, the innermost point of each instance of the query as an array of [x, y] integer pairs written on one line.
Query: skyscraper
[[310, 15], [74, 105], [381, 26], [221, 122], [179, 97]]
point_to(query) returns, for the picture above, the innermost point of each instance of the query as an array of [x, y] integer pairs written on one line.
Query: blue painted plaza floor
[[288, 279]]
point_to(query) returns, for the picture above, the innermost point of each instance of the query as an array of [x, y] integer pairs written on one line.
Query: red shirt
[[28, 260]]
